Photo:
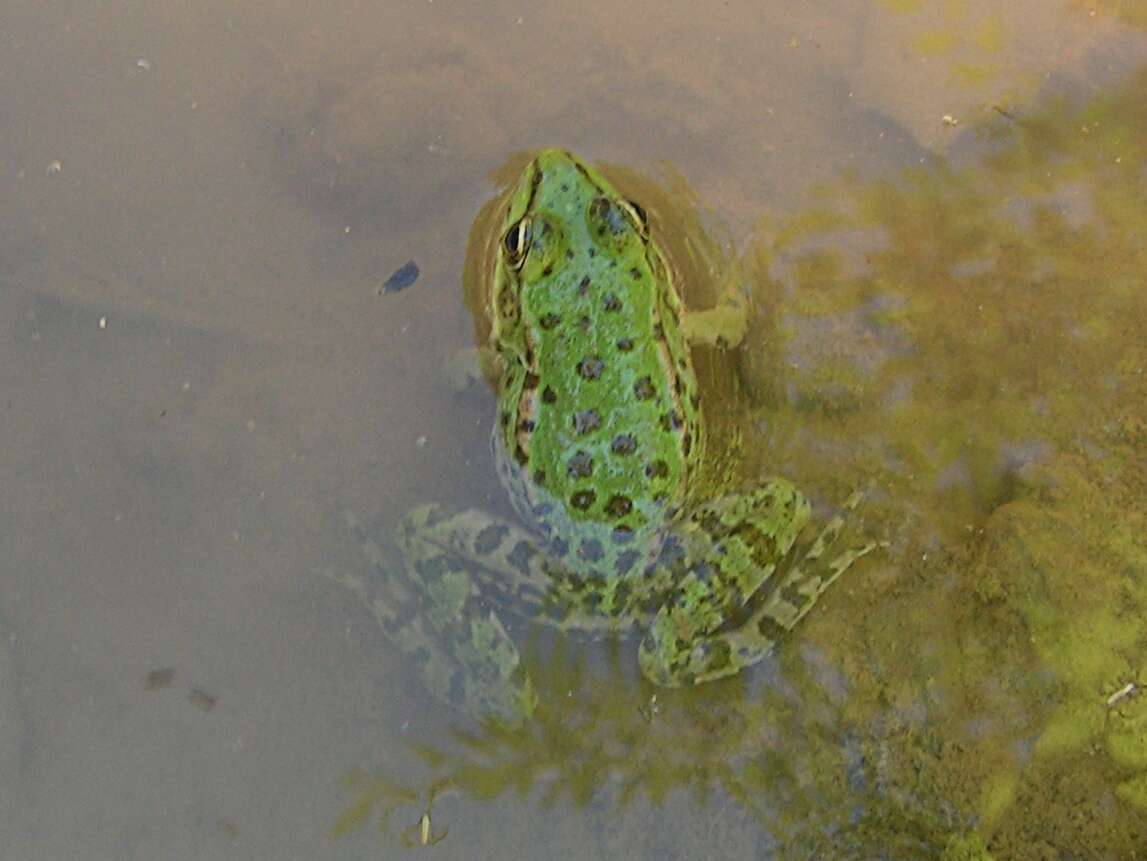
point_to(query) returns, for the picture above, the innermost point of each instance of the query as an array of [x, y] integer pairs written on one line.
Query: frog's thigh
[[805, 581], [724, 324], [503, 560], [733, 546], [471, 662]]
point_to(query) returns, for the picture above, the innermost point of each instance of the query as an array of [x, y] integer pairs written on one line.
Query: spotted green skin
[[599, 443]]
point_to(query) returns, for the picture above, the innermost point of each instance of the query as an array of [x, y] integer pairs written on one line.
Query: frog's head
[[560, 210]]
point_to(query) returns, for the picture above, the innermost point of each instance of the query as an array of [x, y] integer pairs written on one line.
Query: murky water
[[939, 209]]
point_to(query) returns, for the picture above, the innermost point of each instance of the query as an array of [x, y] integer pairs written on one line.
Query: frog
[[600, 444]]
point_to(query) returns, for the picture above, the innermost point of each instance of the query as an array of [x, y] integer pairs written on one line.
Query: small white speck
[[194, 105], [186, 387], [103, 322], [1121, 694], [346, 230], [949, 120], [54, 167], [420, 442], [143, 64]]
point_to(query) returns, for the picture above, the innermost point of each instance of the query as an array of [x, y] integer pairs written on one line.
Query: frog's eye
[[517, 243], [637, 213]]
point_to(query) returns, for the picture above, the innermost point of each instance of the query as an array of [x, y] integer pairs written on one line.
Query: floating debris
[[949, 120], [421, 833], [54, 167], [1125, 692], [403, 277], [201, 699], [144, 64], [159, 679]]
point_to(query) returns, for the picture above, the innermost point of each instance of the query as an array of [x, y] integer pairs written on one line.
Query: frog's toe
[[654, 667]]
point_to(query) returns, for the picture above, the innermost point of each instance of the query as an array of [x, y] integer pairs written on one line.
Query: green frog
[[600, 443]]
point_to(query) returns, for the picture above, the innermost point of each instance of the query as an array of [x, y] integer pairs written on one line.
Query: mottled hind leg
[[434, 608], [731, 547], [804, 583], [725, 652]]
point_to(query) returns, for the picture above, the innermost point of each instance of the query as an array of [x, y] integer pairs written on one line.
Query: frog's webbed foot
[[435, 611], [668, 660]]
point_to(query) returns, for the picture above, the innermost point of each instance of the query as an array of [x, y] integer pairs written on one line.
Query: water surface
[[939, 209]]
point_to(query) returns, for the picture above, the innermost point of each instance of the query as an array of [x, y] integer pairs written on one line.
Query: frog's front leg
[[733, 547], [723, 325], [435, 607]]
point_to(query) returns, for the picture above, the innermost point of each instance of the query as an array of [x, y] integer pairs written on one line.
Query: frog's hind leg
[[713, 650], [805, 581], [717, 559], [433, 607]]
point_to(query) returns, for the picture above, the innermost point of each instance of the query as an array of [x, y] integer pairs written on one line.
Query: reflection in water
[[784, 751], [985, 357]]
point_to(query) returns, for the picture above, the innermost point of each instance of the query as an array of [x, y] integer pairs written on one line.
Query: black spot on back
[[583, 499], [586, 421], [590, 368], [619, 506], [643, 389], [623, 444], [622, 534], [580, 465]]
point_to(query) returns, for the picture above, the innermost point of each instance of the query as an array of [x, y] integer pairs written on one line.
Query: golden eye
[[637, 213], [517, 243]]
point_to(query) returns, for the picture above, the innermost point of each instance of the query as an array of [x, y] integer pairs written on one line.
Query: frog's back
[[599, 410]]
